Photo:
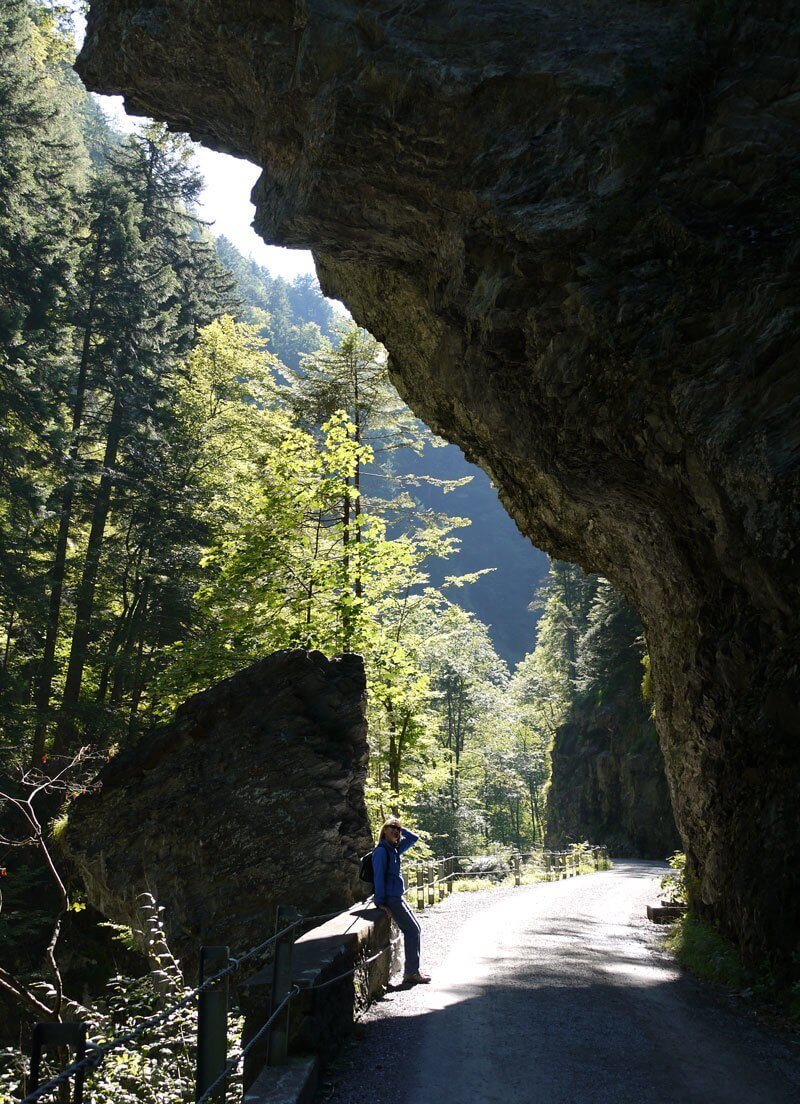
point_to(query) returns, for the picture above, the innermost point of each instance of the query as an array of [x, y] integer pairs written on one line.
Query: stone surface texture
[[608, 784], [575, 227], [253, 797], [339, 967]]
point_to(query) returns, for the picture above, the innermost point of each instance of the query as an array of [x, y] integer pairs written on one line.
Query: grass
[[703, 951], [707, 954], [473, 885]]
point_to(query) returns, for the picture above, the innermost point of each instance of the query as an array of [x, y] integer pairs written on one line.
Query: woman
[[389, 890]]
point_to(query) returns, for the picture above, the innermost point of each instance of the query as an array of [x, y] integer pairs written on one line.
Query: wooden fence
[[430, 880]]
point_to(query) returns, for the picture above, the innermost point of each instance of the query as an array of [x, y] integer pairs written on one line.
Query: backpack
[[365, 872]]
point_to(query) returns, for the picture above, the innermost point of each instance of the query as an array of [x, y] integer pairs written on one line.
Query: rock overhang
[[574, 229]]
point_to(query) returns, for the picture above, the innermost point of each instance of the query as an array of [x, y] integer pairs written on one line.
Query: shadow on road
[[550, 1038], [556, 995]]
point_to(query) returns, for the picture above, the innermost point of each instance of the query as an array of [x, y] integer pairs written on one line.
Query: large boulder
[[252, 797], [575, 227]]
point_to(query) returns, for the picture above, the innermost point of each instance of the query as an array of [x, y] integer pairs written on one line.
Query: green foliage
[[610, 651], [96, 514], [708, 954], [673, 885], [647, 680], [42, 176], [194, 474], [123, 934], [156, 1068]]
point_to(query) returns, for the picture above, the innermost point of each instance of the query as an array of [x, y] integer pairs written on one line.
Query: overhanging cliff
[[575, 227]]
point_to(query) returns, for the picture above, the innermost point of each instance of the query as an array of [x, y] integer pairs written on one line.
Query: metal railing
[[216, 967]]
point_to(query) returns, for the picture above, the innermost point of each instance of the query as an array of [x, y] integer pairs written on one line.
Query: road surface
[[560, 994]]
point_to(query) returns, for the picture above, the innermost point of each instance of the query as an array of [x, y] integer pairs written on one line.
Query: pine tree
[[162, 285], [41, 177], [611, 648]]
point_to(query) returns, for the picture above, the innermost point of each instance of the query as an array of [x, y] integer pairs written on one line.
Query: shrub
[[673, 885], [157, 1068], [491, 868]]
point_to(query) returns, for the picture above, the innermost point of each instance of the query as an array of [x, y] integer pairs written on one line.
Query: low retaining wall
[[323, 1014]]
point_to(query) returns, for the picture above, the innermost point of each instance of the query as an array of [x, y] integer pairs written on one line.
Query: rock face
[[252, 797], [575, 227], [608, 784]]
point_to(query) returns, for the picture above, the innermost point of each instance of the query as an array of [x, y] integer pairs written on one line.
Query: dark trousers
[[409, 926]]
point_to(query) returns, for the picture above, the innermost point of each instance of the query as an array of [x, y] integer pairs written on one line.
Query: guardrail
[[433, 879], [212, 1066]]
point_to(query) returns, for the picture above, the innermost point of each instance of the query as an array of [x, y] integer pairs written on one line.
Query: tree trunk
[[347, 630], [9, 634], [58, 570], [84, 603], [138, 674], [121, 640], [357, 586]]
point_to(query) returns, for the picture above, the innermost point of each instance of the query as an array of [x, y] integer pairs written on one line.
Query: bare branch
[[24, 994]]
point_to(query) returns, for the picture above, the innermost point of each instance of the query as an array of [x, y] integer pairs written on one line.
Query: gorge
[[574, 227]]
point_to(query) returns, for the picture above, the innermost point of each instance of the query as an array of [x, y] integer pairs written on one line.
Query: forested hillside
[[608, 779], [201, 463]]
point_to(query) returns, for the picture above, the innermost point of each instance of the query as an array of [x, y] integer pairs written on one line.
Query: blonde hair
[[392, 822]]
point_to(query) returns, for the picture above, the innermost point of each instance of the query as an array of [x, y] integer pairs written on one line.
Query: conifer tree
[[41, 177], [163, 285], [611, 648]]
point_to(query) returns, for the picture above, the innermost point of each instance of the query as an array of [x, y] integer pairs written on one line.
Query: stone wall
[[326, 1009], [252, 797]]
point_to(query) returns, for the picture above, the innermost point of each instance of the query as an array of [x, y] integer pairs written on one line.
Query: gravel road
[[559, 994]]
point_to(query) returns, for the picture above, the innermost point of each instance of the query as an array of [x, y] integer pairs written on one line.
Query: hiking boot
[[416, 979]]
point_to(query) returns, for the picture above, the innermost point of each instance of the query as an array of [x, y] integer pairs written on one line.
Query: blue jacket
[[386, 866]]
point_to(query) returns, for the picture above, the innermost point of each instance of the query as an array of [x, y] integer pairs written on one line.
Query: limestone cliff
[[252, 797], [608, 783], [575, 227]]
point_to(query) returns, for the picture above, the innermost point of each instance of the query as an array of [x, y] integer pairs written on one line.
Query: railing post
[[440, 877], [58, 1035], [282, 978], [420, 888], [516, 869], [451, 869], [431, 888], [212, 1022]]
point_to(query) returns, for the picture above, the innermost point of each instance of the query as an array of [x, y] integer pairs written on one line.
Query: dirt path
[[559, 994]]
